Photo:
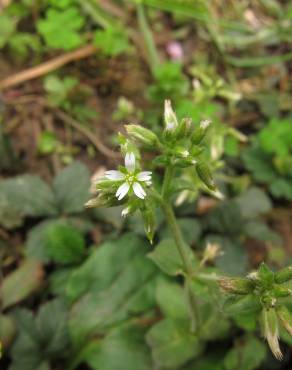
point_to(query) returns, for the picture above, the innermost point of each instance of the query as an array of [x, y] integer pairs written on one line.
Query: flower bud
[[204, 174], [170, 118], [102, 200], [266, 276], [271, 331], [200, 132], [142, 135], [184, 128], [236, 285], [283, 275], [281, 291], [285, 317], [148, 216]]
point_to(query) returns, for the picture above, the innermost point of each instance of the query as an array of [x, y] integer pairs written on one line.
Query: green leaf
[[51, 323], [111, 295], [190, 227], [247, 354], [112, 41], [282, 188], [172, 343], [171, 299], [71, 188], [168, 259], [52, 28], [7, 27], [21, 283], [7, 330], [64, 244], [260, 231], [234, 259], [10, 217], [40, 339], [254, 202], [30, 195], [259, 163], [241, 304], [226, 218], [123, 349]]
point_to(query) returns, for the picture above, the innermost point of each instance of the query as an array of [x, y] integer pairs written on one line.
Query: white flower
[[131, 179]]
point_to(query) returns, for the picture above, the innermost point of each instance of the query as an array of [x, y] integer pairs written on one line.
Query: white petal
[[138, 190], [144, 176], [130, 162], [114, 175], [122, 190]]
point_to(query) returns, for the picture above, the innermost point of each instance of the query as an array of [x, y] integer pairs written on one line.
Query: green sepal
[[283, 275]]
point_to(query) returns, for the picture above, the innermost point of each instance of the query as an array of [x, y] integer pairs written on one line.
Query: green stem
[[148, 37], [182, 247]]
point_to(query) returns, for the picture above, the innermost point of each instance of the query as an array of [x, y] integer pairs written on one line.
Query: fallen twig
[[49, 66]]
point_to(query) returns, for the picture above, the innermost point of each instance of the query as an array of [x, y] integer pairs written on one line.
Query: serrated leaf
[[172, 343], [247, 354], [21, 283], [71, 188], [112, 41], [54, 24], [65, 244], [30, 195], [111, 294], [253, 202], [123, 348]]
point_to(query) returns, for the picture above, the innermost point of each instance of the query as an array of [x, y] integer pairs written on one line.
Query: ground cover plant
[[145, 185]]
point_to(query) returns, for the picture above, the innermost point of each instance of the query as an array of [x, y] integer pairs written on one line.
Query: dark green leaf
[[123, 349], [247, 354], [21, 283], [253, 202], [30, 195], [172, 343], [71, 187], [65, 244]]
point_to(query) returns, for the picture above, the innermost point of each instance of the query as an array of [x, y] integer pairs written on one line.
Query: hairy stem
[[182, 247]]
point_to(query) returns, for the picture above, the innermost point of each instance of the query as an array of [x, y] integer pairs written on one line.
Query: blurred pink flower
[[175, 51]]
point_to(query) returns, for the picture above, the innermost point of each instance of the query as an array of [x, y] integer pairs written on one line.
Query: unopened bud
[[283, 275], [148, 215], [285, 317], [266, 276], [184, 128], [271, 331], [204, 174], [236, 285], [170, 118], [281, 291], [200, 132], [142, 135]]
